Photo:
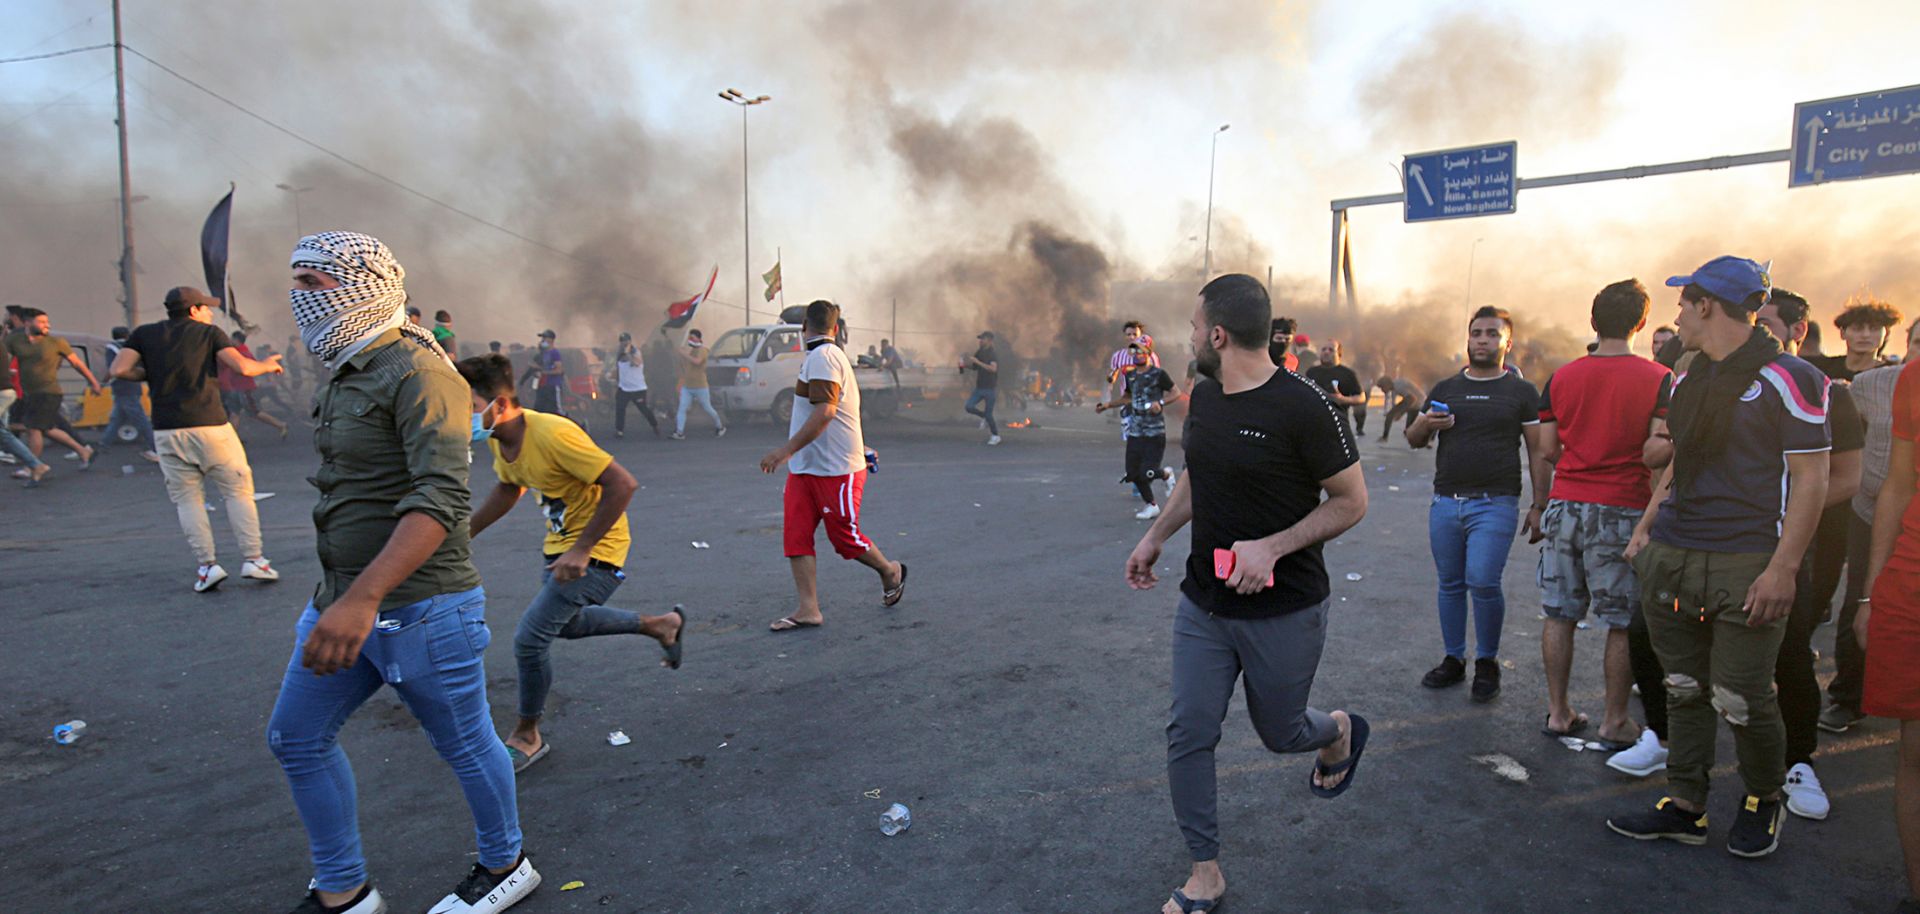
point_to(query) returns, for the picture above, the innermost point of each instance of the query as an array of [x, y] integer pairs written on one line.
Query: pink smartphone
[[1223, 562]]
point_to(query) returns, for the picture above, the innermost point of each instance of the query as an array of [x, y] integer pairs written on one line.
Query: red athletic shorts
[[1893, 648], [835, 500]]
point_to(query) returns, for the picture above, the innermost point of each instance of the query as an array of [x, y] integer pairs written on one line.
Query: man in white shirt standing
[[826, 471], [631, 375]]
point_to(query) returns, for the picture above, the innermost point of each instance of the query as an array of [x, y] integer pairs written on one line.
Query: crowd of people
[[1704, 507]]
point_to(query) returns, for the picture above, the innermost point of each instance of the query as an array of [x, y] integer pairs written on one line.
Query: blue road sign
[[1458, 183], [1856, 136]]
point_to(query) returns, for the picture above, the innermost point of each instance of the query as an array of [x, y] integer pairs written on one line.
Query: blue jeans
[[569, 610], [1471, 537], [985, 395], [430, 652], [128, 412], [8, 441], [690, 396]]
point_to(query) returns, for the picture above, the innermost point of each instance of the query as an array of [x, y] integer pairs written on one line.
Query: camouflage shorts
[[1583, 562]]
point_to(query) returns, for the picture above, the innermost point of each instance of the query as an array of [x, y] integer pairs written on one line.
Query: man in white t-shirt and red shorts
[[826, 471]]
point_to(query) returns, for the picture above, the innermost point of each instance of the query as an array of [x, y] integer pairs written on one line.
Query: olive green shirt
[[40, 358], [392, 427]]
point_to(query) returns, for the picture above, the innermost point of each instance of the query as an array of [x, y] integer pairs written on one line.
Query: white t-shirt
[[840, 450], [632, 377]]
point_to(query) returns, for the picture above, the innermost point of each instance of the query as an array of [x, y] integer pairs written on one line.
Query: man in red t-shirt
[[236, 390], [1888, 624], [1597, 412]]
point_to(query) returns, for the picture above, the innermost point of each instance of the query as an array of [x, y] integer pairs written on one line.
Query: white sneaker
[[983, 425], [993, 439], [1643, 758], [209, 577], [1805, 798], [1147, 513], [484, 893], [259, 570]]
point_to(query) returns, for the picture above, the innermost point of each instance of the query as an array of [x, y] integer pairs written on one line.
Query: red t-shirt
[[1603, 405], [234, 381], [1906, 427]]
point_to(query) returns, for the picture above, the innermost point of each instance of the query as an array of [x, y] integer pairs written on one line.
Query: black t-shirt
[[1255, 460], [1480, 454], [1335, 379], [180, 360], [984, 379], [1844, 422], [1835, 366]]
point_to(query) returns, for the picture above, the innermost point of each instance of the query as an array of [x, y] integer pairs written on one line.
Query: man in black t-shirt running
[[1481, 416], [1262, 444], [985, 365], [179, 358]]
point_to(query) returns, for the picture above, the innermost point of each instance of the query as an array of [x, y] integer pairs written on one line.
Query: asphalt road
[[1015, 701]]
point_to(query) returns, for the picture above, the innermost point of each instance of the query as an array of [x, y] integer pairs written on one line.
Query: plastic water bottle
[[66, 734], [895, 820]]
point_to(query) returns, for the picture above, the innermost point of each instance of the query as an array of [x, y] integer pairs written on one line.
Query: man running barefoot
[[825, 455], [583, 494], [1262, 444]]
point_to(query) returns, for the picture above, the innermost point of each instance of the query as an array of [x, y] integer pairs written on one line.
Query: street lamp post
[[736, 97], [1206, 268], [295, 192], [1471, 253]]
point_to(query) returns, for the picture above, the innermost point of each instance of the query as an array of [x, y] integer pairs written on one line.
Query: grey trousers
[[1279, 657]]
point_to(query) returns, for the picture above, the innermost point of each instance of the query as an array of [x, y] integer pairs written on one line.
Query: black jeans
[[620, 401], [1143, 463], [1793, 675], [1848, 655], [1648, 674], [1829, 554]]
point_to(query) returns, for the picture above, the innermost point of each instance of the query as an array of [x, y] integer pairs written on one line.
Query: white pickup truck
[[753, 370]]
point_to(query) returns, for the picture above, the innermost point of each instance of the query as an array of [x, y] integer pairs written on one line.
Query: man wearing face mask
[[1280, 344], [583, 495], [399, 601]]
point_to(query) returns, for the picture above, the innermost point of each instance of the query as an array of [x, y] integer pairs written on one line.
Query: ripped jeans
[[1718, 667]]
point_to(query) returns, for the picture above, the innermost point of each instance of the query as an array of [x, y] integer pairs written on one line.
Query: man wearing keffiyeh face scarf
[[399, 602]]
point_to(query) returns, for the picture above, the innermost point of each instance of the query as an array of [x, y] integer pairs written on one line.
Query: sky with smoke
[[1006, 165]]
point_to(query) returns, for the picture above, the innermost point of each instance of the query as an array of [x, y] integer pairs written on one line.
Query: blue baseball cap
[[1729, 278]]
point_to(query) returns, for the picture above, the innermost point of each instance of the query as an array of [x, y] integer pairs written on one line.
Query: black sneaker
[[367, 902], [1451, 671], [1486, 679], [484, 893], [1756, 827], [1665, 820]]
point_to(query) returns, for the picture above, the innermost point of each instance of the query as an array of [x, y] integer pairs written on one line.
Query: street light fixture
[[1206, 268], [740, 99], [295, 192]]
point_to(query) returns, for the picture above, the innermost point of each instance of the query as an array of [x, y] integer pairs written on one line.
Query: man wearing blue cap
[[1718, 548]]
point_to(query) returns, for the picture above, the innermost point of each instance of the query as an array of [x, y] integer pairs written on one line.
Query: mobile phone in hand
[[1223, 562]]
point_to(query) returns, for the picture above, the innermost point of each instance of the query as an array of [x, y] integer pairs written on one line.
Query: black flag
[[213, 257]]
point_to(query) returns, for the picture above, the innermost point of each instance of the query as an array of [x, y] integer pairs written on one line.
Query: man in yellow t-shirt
[[583, 497]]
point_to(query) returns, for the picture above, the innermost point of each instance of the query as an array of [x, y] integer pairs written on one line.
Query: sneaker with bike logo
[[483, 892]]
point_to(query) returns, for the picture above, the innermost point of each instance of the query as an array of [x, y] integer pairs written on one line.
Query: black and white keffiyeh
[[370, 300]]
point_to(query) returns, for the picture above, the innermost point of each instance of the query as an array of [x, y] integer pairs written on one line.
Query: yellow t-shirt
[[559, 462]]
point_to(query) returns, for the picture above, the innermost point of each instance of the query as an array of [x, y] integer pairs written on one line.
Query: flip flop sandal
[[1610, 745], [679, 640], [891, 597], [1350, 764], [1577, 725], [789, 624], [523, 761], [1197, 905]]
